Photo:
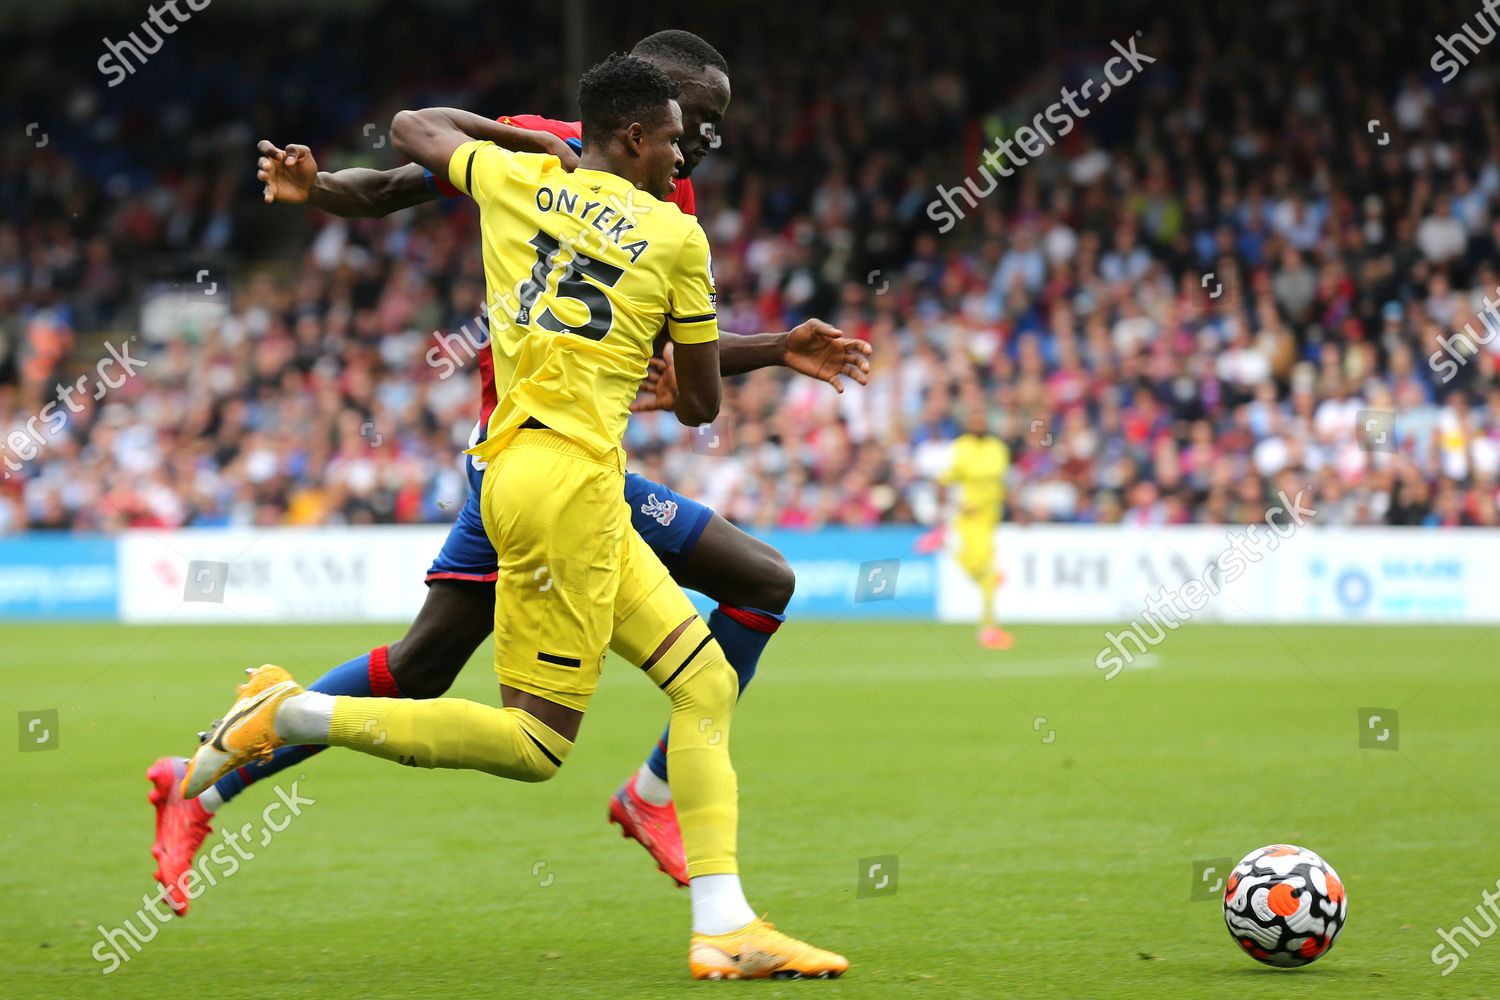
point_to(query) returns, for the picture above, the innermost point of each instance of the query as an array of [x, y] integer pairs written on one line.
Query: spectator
[[1197, 297]]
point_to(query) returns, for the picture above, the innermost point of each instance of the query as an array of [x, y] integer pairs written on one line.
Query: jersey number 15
[[570, 285]]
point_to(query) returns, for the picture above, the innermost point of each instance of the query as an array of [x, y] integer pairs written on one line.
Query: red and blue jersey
[[572, 134]]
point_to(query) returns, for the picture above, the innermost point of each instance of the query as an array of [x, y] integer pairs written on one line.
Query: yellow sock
[[704, 786], [987, 582], [703, 687], [450, 732]]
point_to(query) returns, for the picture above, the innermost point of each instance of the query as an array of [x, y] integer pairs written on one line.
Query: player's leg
[[459, 612], [183, 824], [657, 629], [455, 618], [454, 621], [557, 518], [750, 581], [976, 536], [752, 584], [272, 711], [977, 556]]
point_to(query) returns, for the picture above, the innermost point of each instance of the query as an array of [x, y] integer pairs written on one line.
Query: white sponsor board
[[376, 574], [1077, 573], [275, 575], [1053, 573], [1412, 575]]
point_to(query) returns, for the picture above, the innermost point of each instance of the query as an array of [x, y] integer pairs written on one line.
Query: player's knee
[[530, 768], [725, 689], [781, 583], [711, 690], [543, 750], [548, 759], [539, 769], [773, 582]]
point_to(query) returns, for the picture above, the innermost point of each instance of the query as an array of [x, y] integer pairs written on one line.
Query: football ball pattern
[[1284, 905]]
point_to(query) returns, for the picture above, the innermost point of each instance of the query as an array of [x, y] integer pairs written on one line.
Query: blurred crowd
[[1248, 270]]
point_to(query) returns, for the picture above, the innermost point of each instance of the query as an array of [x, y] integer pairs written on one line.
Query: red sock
[[382, 684]]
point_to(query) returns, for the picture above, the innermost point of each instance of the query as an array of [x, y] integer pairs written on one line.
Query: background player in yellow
[[977, 468], [582, 271]]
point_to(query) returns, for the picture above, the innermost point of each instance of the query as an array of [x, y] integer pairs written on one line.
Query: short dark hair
[[680, 50], [620, 90]]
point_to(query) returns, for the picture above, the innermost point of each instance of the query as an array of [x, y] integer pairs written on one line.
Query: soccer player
[[977, 467], [749, 580], [582, 271]]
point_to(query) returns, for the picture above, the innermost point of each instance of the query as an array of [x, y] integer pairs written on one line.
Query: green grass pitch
[[1045, 820]]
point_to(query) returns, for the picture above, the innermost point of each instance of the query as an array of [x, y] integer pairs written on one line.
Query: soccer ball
[[1284, 905]]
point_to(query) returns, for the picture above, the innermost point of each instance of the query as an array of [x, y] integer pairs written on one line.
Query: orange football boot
[[246, 733], [759, 951]]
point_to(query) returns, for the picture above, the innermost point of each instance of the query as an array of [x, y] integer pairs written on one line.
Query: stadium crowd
[[1202, 295]]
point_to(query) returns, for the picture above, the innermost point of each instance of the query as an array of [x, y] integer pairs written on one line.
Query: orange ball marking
[[1281, 899], [1313, 947]]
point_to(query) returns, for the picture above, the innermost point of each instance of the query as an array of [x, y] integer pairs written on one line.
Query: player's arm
[[693, 325], [360, 192], [291, 175], [813, 348], [699, 387], [429, 137]]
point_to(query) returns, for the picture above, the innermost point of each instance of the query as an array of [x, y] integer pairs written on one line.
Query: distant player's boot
[[932, 541], [654, 827], [247, 732], [995, 637], [760, 951], [181, 826]]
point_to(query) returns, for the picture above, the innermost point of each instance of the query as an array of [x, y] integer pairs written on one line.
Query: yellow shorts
[[976, 544], [570, 565]]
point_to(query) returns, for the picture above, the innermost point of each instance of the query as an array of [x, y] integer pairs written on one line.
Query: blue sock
[[351, 678], [742, 633]]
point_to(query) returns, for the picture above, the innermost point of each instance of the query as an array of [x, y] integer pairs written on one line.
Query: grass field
[[1027, 868]]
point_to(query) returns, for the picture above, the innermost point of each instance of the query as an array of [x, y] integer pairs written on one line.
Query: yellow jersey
[[581, 272], [978, 468]]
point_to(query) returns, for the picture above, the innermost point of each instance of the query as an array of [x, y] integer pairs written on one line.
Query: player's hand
[[560, 149], [821, 351], [658, 389], [288, 174]]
